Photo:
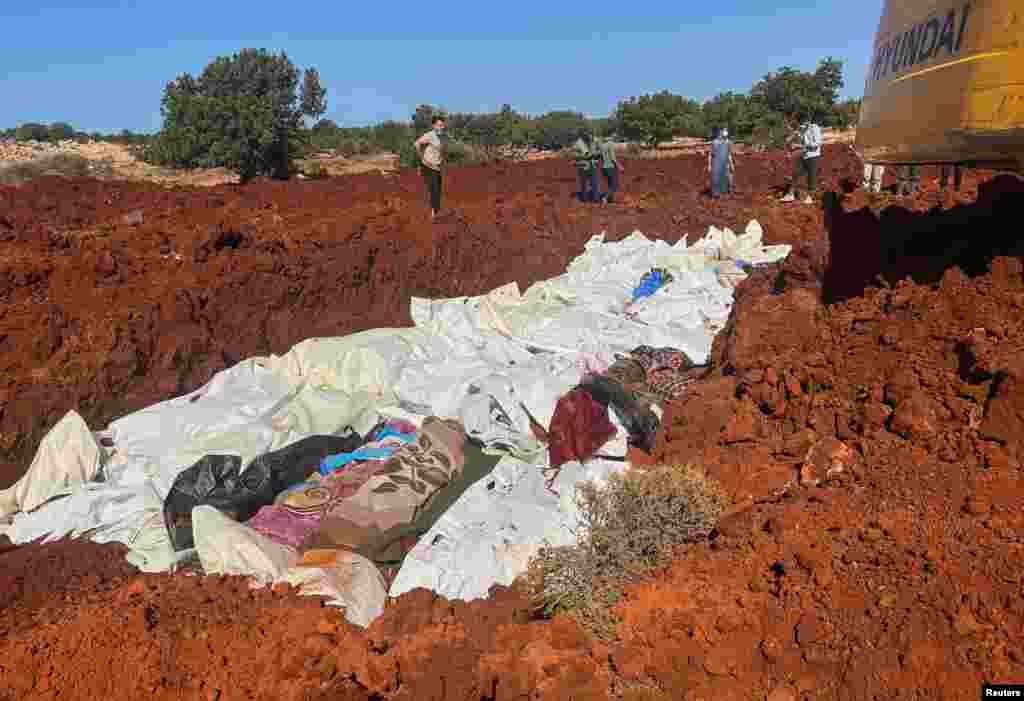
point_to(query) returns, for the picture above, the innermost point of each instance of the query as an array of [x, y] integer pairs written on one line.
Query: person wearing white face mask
[[431, 148], [720, 163]]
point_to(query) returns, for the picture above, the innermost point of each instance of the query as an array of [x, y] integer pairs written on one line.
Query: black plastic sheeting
[[639, 421], [219, 481]]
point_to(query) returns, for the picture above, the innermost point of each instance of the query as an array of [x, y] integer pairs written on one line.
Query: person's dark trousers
[[612, 176], [719, 183], [808, 167], [588, 185], [910, 180], [957, 177], [433, 180]]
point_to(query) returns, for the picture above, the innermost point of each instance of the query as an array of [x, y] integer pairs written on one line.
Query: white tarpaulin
[[508, 346]]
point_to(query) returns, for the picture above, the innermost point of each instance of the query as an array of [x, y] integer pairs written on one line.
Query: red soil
[[867, 429]]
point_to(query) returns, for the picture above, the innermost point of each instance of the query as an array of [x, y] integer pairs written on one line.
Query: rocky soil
[[108, 160], [864, 412]]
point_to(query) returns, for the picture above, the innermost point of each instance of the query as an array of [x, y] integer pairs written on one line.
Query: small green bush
[[631, 524], [355, 147], [314, 170], [461, 153], [458, 153], [407, 156]]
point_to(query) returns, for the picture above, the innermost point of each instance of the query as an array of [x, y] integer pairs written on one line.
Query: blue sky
[[102, 64]]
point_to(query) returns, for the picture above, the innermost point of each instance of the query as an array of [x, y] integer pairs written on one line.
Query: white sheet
[[510, 346]]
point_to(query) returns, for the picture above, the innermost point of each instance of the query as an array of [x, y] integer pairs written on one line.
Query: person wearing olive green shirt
[[611, 167]]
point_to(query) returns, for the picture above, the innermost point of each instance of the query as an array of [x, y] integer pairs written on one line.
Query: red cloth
[[579, 428]]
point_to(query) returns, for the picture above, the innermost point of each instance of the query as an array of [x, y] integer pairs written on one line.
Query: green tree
[[793, 93], [739, 113], [392, 136], [601, 126], [515, 129], [847, 113], [658, 117], [558, 129], [313, 96], [422, 117], [325, 135], [828, 79], [244, 112], [32, 131], [485, 130], [60, 131]]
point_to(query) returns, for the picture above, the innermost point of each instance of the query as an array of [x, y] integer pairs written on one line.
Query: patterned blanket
[[655, 374], [399, 489]]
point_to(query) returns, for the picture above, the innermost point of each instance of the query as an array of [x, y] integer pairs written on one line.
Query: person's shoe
[[790, 197], [808, 200]]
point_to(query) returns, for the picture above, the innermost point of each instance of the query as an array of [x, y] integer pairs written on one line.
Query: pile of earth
[[865, 425]]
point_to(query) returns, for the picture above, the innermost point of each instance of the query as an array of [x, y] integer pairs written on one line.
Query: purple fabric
[[282, 525]]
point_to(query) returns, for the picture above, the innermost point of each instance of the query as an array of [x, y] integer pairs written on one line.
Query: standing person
[[611, 166], [810, 141], [586, 166], [720, 163], [957, 177], [731, 173], [873, 174], [431, 148], [910, 180]]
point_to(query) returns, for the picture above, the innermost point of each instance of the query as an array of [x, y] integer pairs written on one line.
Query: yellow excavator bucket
[[946, 84]]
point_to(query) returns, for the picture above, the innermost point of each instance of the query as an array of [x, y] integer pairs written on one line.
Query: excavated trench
[[863, 411]]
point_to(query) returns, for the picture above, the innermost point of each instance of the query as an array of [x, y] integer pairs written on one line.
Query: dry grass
[[631, 525], [63, 164]]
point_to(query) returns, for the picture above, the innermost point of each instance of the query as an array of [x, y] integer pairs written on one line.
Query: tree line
[[56, 132], [250, 112]]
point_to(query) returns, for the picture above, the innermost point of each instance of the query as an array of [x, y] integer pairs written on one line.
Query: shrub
[[315, 170], [771, 133], [32, 131], [557, 130], [393, 136], [244, 112], [355, 147], [468, 154], [630, 525], [407, 156], [458, 153], [658, 117], [68, 165], [60, 131], [637, 150]]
